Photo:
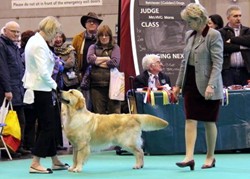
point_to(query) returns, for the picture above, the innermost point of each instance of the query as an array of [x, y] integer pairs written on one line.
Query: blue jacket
[[11, 71]]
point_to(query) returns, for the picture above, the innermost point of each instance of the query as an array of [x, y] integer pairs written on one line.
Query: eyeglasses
[[157, 62], [14, 31], [92, 21]]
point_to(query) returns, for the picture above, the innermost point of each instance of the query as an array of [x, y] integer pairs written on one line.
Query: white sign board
[[31, 4]]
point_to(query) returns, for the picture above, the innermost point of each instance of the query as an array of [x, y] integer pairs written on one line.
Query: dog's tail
[[151, 123]]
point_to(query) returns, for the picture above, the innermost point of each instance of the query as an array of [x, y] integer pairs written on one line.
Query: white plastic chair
[[3, 112]]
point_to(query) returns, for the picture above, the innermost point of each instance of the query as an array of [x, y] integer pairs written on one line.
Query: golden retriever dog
[[87, 131]]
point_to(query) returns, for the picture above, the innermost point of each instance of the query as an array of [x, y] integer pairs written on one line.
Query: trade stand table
[[233, 125]]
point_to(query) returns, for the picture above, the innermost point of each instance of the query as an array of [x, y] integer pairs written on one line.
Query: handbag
[[70, 78], [12, 124], [4, 110], [117, 85], [85, 84], [12, 131]]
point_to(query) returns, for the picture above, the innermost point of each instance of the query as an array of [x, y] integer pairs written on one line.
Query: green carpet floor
[[108, 165]]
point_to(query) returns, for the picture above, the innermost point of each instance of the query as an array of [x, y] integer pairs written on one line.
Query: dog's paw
[[70, 169], [77, 169], [138, 167]]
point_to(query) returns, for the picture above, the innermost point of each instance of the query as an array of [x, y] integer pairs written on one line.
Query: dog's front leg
[[81, 155], [71, 168]]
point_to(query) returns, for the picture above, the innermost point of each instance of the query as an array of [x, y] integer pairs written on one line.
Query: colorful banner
[[31, 4]]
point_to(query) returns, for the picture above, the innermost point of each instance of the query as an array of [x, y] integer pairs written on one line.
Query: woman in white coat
[[39, 65]]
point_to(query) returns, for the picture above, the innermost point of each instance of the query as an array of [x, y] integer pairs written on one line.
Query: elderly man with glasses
[[152, 75], [11, 73]]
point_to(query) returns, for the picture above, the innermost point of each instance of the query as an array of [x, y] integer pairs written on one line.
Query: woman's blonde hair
[[49, 25], [195, 11]]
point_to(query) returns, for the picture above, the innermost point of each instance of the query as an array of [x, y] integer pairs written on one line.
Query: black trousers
[[30, 127], [45, 145], [235, 76]]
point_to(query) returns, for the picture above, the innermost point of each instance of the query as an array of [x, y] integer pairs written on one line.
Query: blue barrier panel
[[233, 125]]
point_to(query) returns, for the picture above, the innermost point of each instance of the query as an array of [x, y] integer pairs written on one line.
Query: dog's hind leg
[[135, 148], [139, 157]]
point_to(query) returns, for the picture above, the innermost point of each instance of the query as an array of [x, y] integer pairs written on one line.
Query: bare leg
[[36, 164], [56, 161], [211, 136], [190, 139]]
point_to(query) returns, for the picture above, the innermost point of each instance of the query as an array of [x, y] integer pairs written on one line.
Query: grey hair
[[232, 8], [195, 11], [148, 60], [2, 30]]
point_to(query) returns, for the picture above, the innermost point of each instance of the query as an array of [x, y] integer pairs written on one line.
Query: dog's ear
[[80, 103]]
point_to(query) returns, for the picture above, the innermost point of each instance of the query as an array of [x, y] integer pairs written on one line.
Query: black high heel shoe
[[209, 166], [186, 164]]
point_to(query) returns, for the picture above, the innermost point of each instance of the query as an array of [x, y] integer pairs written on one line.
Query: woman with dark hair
[[103, 56], [24, 39], [215, 21]]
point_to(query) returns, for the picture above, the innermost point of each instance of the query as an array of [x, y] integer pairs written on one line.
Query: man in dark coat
[[236, 37], [152, 75], [11, 73]]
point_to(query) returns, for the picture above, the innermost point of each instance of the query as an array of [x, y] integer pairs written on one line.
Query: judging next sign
[[157, 28]]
